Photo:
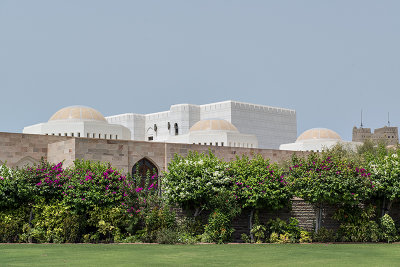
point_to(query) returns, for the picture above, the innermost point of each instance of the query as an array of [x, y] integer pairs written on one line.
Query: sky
[[328, 60]]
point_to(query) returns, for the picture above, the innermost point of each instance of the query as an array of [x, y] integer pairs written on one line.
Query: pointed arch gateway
[[143, 169]]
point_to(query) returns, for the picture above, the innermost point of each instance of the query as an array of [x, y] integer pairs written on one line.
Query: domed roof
[[77, 113], [214, 125], [317, 134]]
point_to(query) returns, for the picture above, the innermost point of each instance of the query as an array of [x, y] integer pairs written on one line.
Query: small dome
[[317, 134], [213, 125], [77, 113]]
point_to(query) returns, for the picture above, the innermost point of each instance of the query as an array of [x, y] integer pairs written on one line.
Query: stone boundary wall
[[20, 149]]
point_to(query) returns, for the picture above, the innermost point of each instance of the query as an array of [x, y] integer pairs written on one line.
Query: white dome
[[213, 125], [318, 134], [77, 113]]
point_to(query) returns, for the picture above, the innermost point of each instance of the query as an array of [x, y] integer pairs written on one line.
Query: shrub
[[156, 220], [324, 235], [274, 237], [193, 180], [167, 236], [218, 229], [284, 238], [258, 231], [245, 238], [388, 227], [281, 227], [53, 223], [357, 224], [108, 224], [11, 224], [305, 237]]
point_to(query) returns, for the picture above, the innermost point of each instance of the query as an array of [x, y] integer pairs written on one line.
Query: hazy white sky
[[325, 59]]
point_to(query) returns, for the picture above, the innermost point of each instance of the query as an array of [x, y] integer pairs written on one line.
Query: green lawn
[[200, 255]]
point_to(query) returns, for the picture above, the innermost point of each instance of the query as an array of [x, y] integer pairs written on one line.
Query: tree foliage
[[329, 179], [259, 184], [193, 180]]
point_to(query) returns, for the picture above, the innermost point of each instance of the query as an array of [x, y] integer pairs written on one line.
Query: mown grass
[[200, 255]]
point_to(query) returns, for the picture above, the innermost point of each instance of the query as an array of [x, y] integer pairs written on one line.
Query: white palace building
[[227, 123]]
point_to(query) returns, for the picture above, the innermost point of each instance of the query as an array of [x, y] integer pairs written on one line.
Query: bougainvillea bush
[[90, 201], [258, 184], [326, 179]]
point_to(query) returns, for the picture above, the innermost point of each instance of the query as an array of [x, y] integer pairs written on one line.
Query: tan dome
[[77, 113], [216, 125], [318, 133]]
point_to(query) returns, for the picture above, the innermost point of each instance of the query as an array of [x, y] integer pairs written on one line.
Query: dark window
[[150, 138], [176, 128], [144, 169]]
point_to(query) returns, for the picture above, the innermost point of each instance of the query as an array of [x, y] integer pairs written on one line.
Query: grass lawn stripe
[[200, 255]]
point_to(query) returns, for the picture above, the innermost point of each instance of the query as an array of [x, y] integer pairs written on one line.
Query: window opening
[[176, 128]]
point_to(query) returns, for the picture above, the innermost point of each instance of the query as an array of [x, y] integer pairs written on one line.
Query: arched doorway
[[144, 169]]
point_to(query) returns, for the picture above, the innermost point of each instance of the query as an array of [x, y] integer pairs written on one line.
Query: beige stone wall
[[21, 149], [62, 151], [113, 151]]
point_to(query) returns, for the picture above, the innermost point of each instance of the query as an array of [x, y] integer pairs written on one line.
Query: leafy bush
[[357, 224], [156, 220], [328, 178], [218, 229], [258, 231], [108, 224], [11, 224], [53, 223], [90, 184], [245, 238], [281, 227], [324, 235], [193, 180], [389, 232], [305, 237], [168, 236], [274, 237], [285, 238]]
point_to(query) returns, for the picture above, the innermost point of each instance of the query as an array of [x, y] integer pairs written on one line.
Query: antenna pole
[[388, 120], [361, 119]]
